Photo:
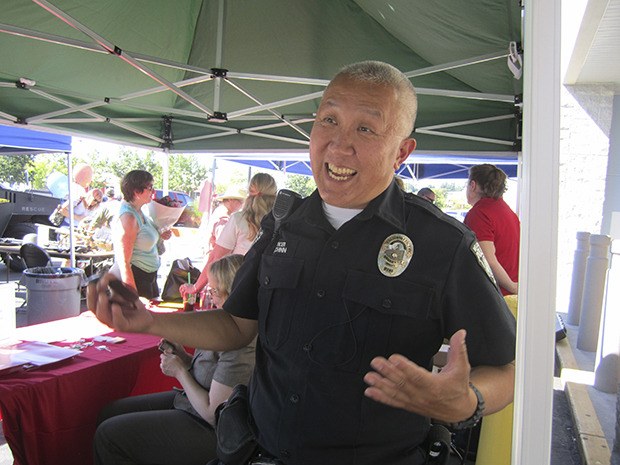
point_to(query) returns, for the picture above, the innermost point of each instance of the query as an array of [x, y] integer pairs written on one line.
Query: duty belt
[[261, 459]]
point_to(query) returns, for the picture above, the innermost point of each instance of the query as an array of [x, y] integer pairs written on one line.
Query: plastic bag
[[56, 218]]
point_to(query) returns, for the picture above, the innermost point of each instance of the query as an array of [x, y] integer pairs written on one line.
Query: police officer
[[352, 295]]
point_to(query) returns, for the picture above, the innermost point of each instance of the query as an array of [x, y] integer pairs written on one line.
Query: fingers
[[458, 360], [91, 297], [401, 383], [394, 380], [99, 301]]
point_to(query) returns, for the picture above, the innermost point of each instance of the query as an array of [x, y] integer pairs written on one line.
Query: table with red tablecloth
[[49, 413]]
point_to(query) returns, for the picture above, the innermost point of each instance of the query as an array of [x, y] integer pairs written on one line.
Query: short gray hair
[[378, 72]]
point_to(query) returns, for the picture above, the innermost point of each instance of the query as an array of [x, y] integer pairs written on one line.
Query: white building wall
[[584, 150]]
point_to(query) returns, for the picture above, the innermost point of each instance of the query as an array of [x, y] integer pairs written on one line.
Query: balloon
[[58, 184]]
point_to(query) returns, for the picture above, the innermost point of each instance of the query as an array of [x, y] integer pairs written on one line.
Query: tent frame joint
[[219, 72], [219, 117], [166, 132], [25, 83]]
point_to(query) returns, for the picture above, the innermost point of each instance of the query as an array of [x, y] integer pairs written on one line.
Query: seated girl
[[176, 427]]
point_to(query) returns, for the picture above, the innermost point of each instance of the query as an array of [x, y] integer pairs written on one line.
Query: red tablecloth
[[49, 413]]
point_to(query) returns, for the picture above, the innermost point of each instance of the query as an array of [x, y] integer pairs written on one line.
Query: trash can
[[52, 293]]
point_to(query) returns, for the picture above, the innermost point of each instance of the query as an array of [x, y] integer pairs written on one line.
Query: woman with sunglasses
[[135, 236], [176, 427]]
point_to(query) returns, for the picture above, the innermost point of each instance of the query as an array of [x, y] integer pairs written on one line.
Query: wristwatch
[[477, 415]]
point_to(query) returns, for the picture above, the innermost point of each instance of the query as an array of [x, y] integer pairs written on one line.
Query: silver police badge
[[395, 254]]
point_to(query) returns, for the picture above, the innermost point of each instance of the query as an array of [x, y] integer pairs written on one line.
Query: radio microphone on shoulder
[[286, 203]]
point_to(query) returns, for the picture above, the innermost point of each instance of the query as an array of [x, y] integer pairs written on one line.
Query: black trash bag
[[177, 276]]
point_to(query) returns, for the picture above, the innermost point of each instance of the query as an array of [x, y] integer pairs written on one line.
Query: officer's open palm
[[445, 396]]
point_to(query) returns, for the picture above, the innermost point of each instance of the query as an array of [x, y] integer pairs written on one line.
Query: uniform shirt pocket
[[279, 279], [392, 296], [401, 313]]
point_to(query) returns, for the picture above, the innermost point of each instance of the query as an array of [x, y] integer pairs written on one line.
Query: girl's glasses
[[214, 292]]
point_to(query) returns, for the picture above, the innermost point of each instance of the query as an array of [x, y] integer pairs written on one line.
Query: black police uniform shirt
[[324, 310]]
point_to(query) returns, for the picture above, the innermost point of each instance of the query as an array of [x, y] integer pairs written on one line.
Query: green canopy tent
[[217, 75], [246, 75]]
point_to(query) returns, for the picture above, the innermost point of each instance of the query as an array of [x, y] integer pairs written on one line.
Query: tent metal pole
[[165, 171], [276, 78], [271, 136], [61, 101], [468, 122], [69, 121], [216, 127], [106, 45], [210, 136], [130, 128], [88, 46], [14, 30], [279, 103], [162, 110], [158, 89], [71, 207], [465, 94], [464, 137], [269, 126], [284, 120], [88, 112], [456, 64], [11, 118], [219, 47], [45, 116]]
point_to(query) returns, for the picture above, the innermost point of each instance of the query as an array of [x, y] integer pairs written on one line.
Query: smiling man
[[360, 137], [351, 298]]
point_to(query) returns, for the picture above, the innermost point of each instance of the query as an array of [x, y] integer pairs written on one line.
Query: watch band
[[476, 416]]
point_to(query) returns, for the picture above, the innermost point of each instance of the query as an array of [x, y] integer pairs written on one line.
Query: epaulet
[[418, 202]]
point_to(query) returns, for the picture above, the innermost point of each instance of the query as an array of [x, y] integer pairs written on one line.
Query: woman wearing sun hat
[[241, 230], [230, 202]]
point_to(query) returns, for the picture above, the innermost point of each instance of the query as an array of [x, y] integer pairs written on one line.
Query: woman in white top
[[242, 227]]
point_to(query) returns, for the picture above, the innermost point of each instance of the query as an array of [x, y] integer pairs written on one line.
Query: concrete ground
[[574, 441]]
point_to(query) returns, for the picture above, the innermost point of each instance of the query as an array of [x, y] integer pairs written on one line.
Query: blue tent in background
[[17, 141], [417, 166]]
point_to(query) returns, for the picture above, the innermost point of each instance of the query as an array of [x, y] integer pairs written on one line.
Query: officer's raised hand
[[114, 310], [444, 396]]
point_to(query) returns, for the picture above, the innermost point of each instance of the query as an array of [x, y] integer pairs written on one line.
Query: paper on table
[[7, 312], [33, 353]]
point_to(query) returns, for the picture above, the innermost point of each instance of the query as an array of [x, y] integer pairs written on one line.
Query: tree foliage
[[186, 173], [303, 185], [43, 165], [16, 168]]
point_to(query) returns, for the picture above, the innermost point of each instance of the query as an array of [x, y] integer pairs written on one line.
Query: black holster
[[235, 429]]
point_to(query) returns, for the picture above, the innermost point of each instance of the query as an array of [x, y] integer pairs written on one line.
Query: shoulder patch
[[482, 261]]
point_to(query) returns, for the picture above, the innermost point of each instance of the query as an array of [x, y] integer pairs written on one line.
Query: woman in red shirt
[[496, 226]]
